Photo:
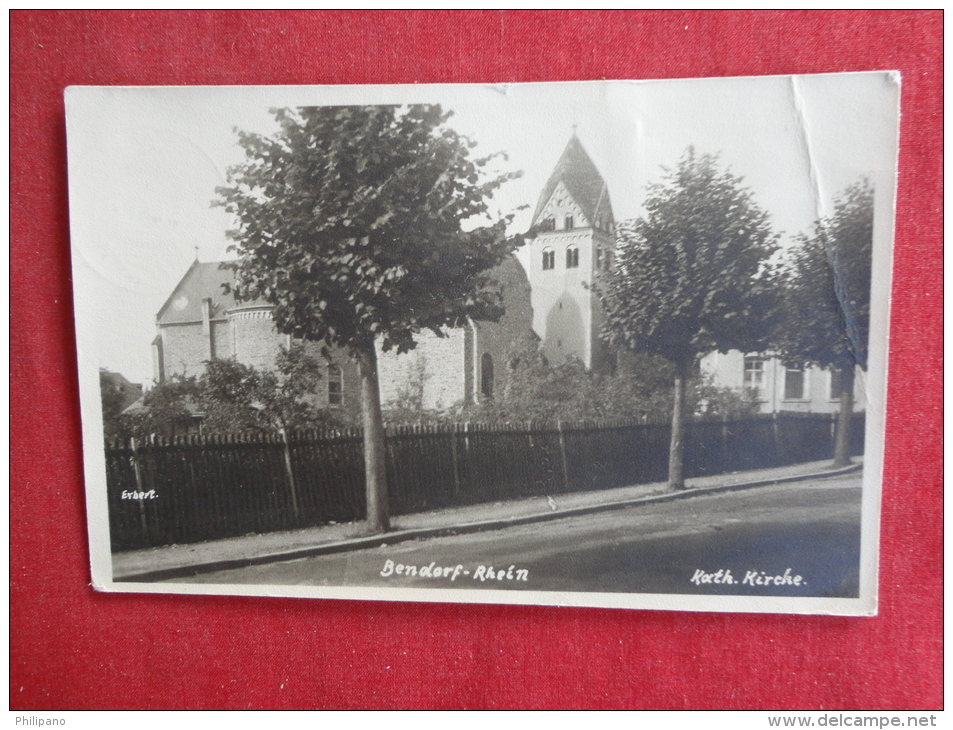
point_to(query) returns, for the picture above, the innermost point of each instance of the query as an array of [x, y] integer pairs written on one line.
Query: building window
[[754, 375], [549, 258], [568, 223], [547, 224], [572, 257], [335, 386], [598, 257], [486, 375], [837, 384], [794, 384]]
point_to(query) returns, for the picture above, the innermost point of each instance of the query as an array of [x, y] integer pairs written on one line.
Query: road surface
[[796, 539]]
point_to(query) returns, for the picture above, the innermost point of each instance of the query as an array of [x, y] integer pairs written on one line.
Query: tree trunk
[[844, 417], [676, 452], [375, 464]]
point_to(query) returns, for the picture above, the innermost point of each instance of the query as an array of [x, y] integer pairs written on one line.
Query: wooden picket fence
[[209, 487]]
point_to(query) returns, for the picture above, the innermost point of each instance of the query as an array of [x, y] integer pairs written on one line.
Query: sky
[[144, 163]]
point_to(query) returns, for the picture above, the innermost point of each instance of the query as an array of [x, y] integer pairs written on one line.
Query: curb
[[372, 541]]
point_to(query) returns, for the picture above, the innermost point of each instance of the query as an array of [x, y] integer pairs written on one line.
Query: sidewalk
[[174, 561]]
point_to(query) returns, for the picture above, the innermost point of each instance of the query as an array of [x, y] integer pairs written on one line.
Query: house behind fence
[[189, 489]]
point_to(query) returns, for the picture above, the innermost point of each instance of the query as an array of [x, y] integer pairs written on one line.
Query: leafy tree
[[237, 397], [826, 299], [641, 388], [536, 390], [227, 397], [112, 403], [168, 409], [230, 397], [691, 277], [286, 394], [116, 395], [707, 399], [364, 225]]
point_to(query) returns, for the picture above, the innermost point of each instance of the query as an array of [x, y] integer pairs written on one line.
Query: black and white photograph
[[618, 343]]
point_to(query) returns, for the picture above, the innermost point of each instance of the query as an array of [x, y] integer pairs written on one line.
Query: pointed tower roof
[[579, 174]]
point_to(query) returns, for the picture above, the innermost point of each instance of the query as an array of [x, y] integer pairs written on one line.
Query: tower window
[[568, 223], [549, 258], [572, 257], [335, 386], [486, 375]]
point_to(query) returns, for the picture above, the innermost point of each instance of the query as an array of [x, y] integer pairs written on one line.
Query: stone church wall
[[432, 374], [256, 341], [184, 350]]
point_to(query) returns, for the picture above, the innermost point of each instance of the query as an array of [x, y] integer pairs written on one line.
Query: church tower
[[574, 243]]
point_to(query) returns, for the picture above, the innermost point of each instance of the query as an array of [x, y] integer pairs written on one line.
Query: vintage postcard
[[616, 343]]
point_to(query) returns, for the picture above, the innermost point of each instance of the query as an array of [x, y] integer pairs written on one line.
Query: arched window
[[568, 223], [572, 257], [547, 224], [549, 258], [486, 375], [335, 386]]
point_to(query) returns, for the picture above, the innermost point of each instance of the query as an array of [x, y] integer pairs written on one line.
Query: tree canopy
[[112, 401], [692, 276], [349, 222], [236, 397], [826, 287], [229, 397]]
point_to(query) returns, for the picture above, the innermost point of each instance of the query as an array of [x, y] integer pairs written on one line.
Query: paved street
[[760, 539]]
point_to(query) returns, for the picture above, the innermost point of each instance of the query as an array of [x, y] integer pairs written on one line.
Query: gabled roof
[[579, 174], [203, 280], [128, 390]]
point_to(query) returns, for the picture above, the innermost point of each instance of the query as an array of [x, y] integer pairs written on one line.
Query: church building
[[552, 302]]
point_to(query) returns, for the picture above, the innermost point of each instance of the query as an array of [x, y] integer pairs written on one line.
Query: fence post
[[453, 456], [562, 453], [778, 441], [726, 463], [137, 468], [286, 448], [834, 432]]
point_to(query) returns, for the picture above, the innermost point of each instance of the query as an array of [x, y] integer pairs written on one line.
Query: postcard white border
[[81, 102]]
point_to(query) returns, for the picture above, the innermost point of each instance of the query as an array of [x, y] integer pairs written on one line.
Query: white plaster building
[[780, 388]]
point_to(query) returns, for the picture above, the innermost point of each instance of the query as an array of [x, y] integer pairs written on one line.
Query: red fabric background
[[73, 648]]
